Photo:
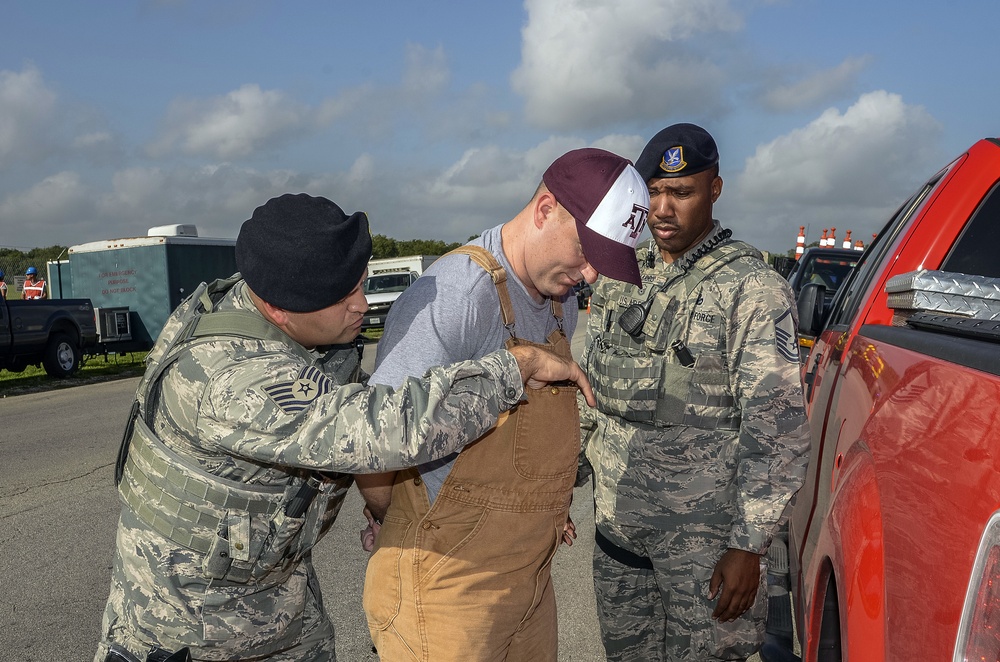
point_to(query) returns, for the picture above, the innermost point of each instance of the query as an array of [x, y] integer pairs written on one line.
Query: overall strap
[[498, 274]]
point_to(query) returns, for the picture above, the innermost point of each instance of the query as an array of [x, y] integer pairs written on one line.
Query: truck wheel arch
[[829, 646]]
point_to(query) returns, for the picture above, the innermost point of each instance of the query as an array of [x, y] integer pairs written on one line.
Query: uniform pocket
[[250, 620], [547, 436], [674, 394], [736, 639], [626, 385], [281, 531], [711, 403], [383, 587]]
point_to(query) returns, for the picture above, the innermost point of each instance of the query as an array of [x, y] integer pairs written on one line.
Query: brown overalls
[[467, 579]]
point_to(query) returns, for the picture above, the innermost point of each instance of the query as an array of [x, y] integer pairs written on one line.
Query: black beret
[[303, 253], [678, 151]]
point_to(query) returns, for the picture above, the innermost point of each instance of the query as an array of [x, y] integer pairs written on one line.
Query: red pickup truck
[[893, 552]]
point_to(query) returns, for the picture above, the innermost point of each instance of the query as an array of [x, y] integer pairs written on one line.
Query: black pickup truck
[[52, 333], [828, 267]]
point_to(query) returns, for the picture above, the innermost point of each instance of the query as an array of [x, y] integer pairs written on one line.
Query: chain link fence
[[13, 270]]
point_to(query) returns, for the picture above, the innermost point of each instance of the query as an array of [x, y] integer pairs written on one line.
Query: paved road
[[58, 511]]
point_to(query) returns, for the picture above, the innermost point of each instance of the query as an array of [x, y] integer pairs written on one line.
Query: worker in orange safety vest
[[33, 289]]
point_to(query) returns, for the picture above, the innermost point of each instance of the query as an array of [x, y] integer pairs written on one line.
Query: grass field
[[92, 369]]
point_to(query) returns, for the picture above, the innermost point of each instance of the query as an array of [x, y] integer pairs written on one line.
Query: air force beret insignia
[[295, 395], [673, 160]]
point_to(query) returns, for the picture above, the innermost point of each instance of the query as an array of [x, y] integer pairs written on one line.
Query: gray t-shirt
[[452, 313]]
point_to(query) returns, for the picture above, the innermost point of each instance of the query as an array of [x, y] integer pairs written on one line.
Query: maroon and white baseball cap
[[610, 203]]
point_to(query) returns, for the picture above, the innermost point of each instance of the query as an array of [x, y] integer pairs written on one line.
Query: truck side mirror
[[810, 305]]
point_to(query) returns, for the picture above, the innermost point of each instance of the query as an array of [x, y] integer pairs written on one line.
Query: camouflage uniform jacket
[[246, 422], [709, 387]]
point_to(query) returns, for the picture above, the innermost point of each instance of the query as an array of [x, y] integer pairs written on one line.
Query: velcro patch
[[295, 395], [785, 340]]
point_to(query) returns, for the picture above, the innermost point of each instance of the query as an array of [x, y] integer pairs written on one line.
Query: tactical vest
[[243, 531], [653, 378]]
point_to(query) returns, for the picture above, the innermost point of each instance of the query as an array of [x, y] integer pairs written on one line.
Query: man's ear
[[273, 314], [546, 208], [716, 188]]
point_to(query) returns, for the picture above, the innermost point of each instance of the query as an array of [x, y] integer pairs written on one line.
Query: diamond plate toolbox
[[945, 292]]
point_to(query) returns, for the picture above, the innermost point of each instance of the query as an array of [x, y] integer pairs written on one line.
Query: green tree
[[383, 247]]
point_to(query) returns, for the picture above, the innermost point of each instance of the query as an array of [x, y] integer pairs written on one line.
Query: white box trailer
[[136, 282]]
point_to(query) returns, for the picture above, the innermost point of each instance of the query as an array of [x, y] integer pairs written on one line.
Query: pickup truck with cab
[[827, 266], [894, 539], [824, 265], [52, 333]]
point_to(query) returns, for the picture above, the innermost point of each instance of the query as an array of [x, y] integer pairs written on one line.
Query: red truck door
[[822, 372]]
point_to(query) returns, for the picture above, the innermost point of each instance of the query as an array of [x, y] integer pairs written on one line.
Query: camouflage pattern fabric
[[259, 413], [718, 475], [663, 613]]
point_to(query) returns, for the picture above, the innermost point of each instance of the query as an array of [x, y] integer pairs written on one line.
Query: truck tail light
[[979, 630]]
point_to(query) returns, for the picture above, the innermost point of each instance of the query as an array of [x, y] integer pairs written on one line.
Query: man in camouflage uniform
[[700, 436], [251, 416]]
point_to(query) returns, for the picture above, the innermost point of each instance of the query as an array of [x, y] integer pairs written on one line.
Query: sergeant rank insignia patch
[[785, 340], [295, 395]]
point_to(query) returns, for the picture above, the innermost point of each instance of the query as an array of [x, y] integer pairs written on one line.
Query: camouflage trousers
[[160, 597], [315, 646], [663, 613]]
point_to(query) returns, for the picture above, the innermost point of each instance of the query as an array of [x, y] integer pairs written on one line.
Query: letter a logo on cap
[[636, 220], [610, 203], [673, 160]]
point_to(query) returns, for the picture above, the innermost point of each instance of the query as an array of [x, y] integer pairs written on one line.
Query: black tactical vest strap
[[203, 322]]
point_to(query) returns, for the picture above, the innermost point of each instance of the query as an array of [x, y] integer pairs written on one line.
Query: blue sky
[[438, 118]]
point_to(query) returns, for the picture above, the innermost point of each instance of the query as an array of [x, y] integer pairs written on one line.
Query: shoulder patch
[[785, 340], [295, 395]]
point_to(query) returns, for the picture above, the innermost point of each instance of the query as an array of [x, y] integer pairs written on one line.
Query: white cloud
[[216, 198], [94, 139], [586, 63], [819, 88], [233, 125], [44, 210], [426, 72], [345, 103], [249, 120], [848, 170], [38, 128], [62, 194], [27, 111]]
